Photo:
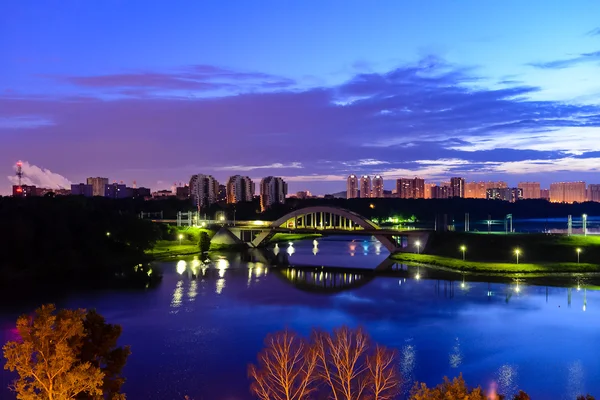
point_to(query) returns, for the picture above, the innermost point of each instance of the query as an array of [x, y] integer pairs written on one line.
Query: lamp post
[[180, 238], [463, 249], [517, 253], [578, 253], [418, 244]]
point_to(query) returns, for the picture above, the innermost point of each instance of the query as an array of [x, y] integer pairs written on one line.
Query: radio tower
[[20, 173]]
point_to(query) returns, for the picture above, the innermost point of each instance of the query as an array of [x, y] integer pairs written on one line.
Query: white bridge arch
[[326, 218]]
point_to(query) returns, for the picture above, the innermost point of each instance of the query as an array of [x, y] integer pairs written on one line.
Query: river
[[197, 336]]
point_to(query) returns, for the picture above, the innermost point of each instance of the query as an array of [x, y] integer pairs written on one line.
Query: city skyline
[[434, 91]]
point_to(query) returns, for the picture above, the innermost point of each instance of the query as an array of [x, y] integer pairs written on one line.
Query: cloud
[[420, 119], [252, 167], [365, 162], [198, 78], [568, 62], [24, 122], [594, 32], [40, 177]]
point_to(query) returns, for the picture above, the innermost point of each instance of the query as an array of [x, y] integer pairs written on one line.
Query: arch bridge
[[328, 220]]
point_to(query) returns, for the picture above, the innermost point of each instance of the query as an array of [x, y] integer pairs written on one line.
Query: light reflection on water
[[526, 339]]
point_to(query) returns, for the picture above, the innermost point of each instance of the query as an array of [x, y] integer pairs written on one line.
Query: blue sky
[[308, 90]]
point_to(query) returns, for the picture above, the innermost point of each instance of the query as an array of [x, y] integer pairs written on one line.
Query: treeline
[[425, 210], [71, 238]]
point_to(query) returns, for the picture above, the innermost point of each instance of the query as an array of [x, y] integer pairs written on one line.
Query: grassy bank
[[292, 237], [173, 247], [533, 248], [494, 267]]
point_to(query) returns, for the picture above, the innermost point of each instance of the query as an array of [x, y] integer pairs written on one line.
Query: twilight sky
[[155, 91]]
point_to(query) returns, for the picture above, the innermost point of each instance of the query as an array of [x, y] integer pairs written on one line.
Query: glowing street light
[[578, 253], [107, 233], [418, 244], [517, 253], [463, 248], [180, 238]]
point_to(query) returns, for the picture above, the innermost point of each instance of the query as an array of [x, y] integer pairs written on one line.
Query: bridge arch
[[323, 218]]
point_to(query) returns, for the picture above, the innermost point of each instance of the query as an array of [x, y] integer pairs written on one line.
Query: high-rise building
[[478, 190], [428, 187], [303, 194], [115, 191], [441, 192], [272, 191], [24, 191], [410, 188], [531, 190], [182, 192], [365, 186], [82, 189], [568, 192], [506, 194], [98, 185], [545, 194], [222, 193], [239, 189], [203, 190], [593, 192], [377, 190], [352, 187], [457, 187]]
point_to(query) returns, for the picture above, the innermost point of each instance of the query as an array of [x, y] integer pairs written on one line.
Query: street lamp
[[578, 252], [107, 233], [180, 238], [463, 249], [517, 253], [418, 244]]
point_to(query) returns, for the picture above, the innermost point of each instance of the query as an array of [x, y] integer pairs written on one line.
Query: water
[[197, 337]]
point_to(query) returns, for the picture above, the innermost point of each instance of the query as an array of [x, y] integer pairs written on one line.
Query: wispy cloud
[[41, 177], [198, 78], [365, 162], [24, 122], [568, 62], [252, 167], [594, 32]]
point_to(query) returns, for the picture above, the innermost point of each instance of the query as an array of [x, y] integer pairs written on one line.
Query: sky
[[309, 90]]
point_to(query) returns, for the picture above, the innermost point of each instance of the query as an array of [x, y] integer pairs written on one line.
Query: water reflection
[[323, 280], [507, 380], [456, 354]]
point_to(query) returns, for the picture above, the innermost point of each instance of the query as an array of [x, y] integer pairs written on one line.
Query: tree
[[351, 369], [99, 347], [285, 368], [522, 396], [204, 242], [383, 376], [46, 357], [455, 389], [586, 397]]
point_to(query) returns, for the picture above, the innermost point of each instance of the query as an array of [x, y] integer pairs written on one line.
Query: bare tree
[[286, 368], [383, 375], [341, 365]]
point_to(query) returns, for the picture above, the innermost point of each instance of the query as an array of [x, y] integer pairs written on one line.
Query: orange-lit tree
[[46, 357], [352, 369], [286, 368], [455, 389]]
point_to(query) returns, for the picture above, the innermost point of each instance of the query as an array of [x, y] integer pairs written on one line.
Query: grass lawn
[[164, 249], [492, 267], [534, 248], [290, 237]]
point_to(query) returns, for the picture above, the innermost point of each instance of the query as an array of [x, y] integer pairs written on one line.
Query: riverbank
[[188, 246], [459, 265], [533, 248]]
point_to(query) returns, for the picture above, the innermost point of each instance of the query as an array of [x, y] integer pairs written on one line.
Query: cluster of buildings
[[93, 187], [417, 188], [205, 190]]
